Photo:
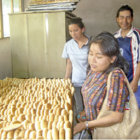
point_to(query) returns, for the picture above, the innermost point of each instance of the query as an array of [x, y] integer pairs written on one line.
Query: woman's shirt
[[94, 92], [79, 59]]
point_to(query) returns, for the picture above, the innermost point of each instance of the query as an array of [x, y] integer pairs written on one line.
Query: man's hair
[[125, 8]]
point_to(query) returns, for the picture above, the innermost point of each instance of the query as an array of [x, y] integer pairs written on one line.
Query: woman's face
[[97, 61], [75, 31]]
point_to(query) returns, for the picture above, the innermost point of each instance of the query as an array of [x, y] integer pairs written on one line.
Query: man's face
[[125, 20]]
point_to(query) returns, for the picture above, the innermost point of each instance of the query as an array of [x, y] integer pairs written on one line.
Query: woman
[[104, 57], [76, 54]]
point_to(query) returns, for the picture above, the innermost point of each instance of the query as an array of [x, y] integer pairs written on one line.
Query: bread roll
[[33, 111], [33, 118], [45, 131], [54, 108], [54, 124], [35, 105], [64, 112], [38, 112], [32, 135], [61, 133], [69, 98], [71, 117], [46, 111], [68, 133], [51, 111], [56, 118], [37, 125], [23, 105], [21, 117], [31, 103], [42, 111], [55, 102], [1, 130], [61, 118], [44, 124], [45, 117], [28, 117], [68, 106], [48, 106], [20, 110], [67, 124], [1, 125], [61, 124], [39, 137], [26, 124], [72, 90], [21, 134], [31, 126], [15, 118], [49, 135], [66, 118], [10, 134], [37, 118], [58, 111], [50, 125], [27, 133], [39, 133], [13, 109], [15, 122], [40, 118], [4, 135], [18, 105], [16, 133], [51, 117], [55, 133], [39, 108], [16, 113]]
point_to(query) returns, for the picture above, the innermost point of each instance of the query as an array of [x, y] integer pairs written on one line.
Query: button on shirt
[[79, 59]]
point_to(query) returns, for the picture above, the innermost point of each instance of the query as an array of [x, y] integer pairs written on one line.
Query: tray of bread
[[36, 108]]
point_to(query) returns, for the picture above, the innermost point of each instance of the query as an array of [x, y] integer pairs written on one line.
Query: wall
[[5, 58], [100, 15]]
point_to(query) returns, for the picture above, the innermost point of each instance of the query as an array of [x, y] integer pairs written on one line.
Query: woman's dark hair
[[77, 21], [109, 46], [125, 8]]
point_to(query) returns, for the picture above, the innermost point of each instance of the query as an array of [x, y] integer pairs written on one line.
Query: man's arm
[[134, 83]]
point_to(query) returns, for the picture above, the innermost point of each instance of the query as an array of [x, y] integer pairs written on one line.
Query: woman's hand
[[81, 117], [79, 127]]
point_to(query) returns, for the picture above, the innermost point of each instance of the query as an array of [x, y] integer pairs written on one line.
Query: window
[[6, 7]]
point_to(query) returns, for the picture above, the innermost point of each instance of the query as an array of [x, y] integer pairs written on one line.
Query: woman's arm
[[68, 68], [113, 118]]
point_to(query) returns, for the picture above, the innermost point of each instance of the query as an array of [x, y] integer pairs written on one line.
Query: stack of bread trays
[[50, 1]]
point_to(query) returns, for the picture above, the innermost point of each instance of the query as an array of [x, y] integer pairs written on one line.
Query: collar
[[129, 34], [87, 43]]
